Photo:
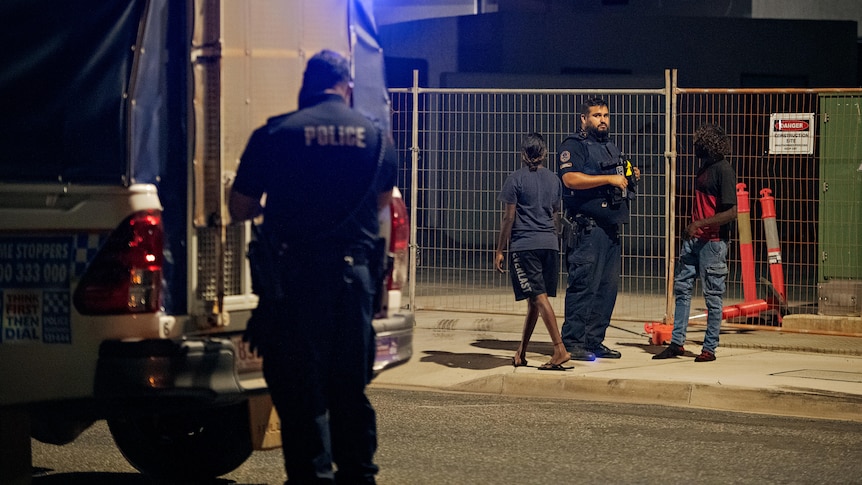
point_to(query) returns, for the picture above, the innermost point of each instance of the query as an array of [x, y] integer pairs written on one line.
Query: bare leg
[[543, 305], [529, 325]]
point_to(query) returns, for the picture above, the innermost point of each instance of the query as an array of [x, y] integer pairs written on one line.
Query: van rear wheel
[[191, 445]]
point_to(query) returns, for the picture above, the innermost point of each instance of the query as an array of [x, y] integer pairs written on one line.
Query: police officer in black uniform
[[598, 185], [325, 170]]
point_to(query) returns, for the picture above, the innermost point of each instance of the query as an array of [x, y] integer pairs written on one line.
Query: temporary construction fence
[[798, 149]]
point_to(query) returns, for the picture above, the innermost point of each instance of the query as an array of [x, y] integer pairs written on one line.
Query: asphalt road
[[454, 438]]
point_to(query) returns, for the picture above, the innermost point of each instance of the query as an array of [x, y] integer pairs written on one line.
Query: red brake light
[[126, 275], [398, 243], [400, 226]]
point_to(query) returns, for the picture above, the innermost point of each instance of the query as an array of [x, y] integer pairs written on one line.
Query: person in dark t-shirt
[[531, 202], [705, 240]]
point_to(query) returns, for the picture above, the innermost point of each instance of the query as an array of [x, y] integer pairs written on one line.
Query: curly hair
[[711, 142], [533, 151]]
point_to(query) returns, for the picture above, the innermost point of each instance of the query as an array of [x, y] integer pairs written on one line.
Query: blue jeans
[[709, 260]]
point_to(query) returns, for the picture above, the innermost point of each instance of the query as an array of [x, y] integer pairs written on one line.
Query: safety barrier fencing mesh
[[459, 145]]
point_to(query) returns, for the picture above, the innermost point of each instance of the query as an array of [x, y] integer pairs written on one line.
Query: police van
[[124, 289]]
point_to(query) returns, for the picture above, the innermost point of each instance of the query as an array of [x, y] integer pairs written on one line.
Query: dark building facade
[[569, 48]]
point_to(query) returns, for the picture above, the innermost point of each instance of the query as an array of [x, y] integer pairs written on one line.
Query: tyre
[[191, 445]]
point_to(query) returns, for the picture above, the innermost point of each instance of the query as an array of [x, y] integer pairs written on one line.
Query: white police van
[[123, 291]]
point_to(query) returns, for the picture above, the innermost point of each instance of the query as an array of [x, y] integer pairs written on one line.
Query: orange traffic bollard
[[744, 309], [746, 252], [773, 252], [660, 333]]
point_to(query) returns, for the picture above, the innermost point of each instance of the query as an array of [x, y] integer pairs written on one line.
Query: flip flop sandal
[[550, 366]]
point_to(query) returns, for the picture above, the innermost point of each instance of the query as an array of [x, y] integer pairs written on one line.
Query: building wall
[[393, 11], [567, 46], [809, 9]]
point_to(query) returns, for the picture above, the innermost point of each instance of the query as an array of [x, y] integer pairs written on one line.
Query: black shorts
[[534, 272]]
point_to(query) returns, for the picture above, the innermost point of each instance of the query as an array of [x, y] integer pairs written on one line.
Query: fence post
[[670, 187], [414, 193]]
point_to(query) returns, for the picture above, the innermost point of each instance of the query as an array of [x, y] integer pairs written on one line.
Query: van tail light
[[126, 275], [398, 244]]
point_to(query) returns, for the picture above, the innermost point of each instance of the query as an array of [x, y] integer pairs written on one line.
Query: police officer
[[596, 195], [325, 170]]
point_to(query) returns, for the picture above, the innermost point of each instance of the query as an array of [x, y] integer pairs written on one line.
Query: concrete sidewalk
[[760, 371]]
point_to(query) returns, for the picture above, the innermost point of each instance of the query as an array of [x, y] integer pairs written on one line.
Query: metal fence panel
[[792, 179], [460, 144], [468, 143]]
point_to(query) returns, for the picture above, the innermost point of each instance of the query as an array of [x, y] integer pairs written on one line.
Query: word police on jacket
[[331, 135]]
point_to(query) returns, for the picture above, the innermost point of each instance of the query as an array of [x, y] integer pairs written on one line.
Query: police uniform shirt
[[315, 166], [588, 155]]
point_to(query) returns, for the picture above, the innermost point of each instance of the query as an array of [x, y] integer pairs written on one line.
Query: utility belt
[[378, 263], [269, 263], [329, 258], [268, 260], [585, 222], [576, 223], [326, 256]]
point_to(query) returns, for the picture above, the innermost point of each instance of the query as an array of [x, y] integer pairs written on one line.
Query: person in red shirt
[[705, 240]]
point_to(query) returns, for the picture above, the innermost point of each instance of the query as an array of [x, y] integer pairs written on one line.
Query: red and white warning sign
[[791, 133]]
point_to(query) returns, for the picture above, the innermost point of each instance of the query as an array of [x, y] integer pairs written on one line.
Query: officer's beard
[[600, 135]]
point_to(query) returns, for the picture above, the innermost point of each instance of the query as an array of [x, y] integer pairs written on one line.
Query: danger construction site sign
[[791, 133]]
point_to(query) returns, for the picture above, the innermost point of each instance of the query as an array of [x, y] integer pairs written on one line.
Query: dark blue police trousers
[[593, 263], [317, 368]]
